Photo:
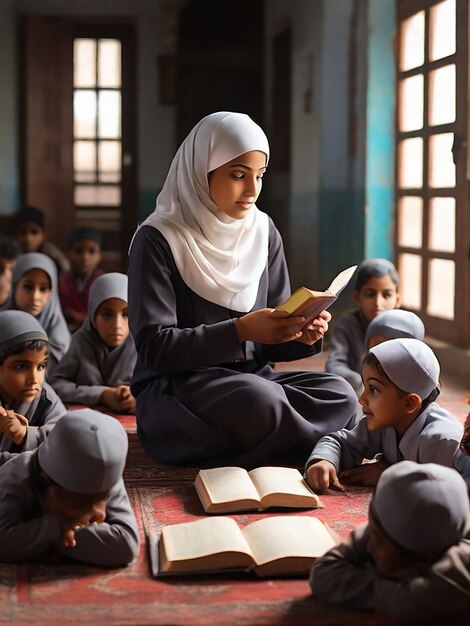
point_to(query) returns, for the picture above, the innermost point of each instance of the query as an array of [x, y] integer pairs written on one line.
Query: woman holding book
[[206, 271]]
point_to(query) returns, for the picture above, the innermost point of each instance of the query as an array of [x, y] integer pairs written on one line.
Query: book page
[[287, 536], [228, 484], [343, 278], [286, 481], [212, 535]]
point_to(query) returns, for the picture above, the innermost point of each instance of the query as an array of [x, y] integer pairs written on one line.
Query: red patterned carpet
[[61, 592]]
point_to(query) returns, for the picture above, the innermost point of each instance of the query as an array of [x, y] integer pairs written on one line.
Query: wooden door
[[79, 144]]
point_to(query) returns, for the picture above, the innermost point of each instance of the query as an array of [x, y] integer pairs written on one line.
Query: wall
[[381, 123], [9, 175], [155, 25], [326, 203]]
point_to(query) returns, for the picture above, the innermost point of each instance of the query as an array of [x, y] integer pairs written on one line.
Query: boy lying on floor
[[69, 495], [412, 560]]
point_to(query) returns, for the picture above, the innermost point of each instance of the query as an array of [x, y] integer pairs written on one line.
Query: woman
[[206, 270]]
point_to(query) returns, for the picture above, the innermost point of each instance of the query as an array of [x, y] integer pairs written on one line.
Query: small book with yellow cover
[[274, 546], [311, 303], [232, 489]]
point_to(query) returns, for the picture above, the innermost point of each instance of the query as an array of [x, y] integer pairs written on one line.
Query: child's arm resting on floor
[[115, 542]]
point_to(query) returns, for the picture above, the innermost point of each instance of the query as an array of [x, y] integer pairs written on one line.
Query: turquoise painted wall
[[380, 145]]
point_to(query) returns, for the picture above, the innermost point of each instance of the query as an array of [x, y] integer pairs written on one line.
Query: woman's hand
[[269, 326], [316, 329]]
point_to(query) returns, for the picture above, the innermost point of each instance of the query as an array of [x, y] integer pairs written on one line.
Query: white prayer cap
[[17, 327], [110, 285], [410, 364], [395, 324], [85, 452], [422, 507]]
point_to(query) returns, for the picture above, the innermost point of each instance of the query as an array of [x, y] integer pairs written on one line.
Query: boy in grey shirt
[[412, 560], [401, 419], [69, 496]]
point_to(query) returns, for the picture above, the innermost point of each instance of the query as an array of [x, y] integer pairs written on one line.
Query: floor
[[60, 592]]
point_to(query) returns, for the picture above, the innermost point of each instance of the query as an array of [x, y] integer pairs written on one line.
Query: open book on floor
[[231, 489], [311, 303], [273, 546]]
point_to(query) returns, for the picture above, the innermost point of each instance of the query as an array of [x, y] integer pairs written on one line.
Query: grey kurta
[[89, 367], [346, 576], [434, 437], [42, 412], [347, 348], [27, 530], [200, 395]]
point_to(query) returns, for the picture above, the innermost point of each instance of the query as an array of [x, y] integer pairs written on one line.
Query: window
[[97, 134], [432, 230]]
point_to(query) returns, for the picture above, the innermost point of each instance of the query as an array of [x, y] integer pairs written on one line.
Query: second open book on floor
[[274, 546], [231, 489]]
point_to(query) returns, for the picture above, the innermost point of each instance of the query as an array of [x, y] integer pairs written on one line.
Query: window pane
[[411, 103], [442, 30], [442, 95], [412, 42], [441, 288], [109, 161], [410, 222], [84, 114], [109, 63], [109, 114], [84, 63], [84, 161], [441, 164], [409, 269], [410, 163], [109, 195], [442, 224]]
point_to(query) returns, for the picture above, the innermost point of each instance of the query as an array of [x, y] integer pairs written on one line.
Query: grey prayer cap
[[422, 507], [111, 285], [410, 364], [395, 324], [85, 452], [17, 327]]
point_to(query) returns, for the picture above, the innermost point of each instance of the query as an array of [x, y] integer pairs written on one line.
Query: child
[[376, 291], [9, 251], [31, 236], [69, 495], [412, 560], [84, 252], [34, 290], [393, 324], [206, 271], [401, 419], [26, 401], [98, 366]]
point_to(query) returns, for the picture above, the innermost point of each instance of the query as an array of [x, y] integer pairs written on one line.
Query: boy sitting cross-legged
[[401, 420]]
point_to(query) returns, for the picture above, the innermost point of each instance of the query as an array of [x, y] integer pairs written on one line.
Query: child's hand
[[269, 326], [111, 398], [316, 329], [367, 474], [127, 399], [13, 425], [321, 475]]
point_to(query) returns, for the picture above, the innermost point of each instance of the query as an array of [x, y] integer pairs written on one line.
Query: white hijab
[[219, 258]]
